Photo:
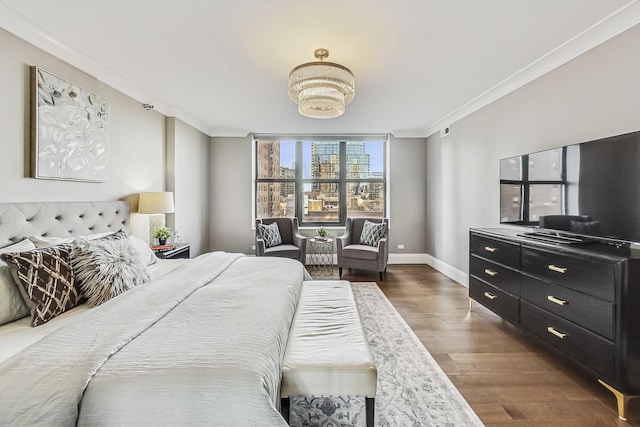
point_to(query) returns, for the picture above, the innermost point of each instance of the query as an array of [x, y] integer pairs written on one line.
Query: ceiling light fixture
[[321, 89]]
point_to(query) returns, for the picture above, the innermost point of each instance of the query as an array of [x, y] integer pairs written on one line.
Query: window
[[531, 186], [320, 181]]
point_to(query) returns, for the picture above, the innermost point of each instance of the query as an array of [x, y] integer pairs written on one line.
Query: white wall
[[593, 96]]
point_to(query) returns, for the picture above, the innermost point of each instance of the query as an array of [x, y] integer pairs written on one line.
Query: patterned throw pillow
[[271, 234], [46, 281], [372, 232], [106, 268]]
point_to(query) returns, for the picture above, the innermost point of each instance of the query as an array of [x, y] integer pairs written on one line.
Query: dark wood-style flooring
[[507, 378]]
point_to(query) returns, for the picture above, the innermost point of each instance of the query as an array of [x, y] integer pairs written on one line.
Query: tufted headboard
[[60, 219]]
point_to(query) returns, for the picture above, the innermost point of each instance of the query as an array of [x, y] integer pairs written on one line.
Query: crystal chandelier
[[321, 89]]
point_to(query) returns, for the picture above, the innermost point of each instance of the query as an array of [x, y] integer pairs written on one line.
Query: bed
[[200, 343]]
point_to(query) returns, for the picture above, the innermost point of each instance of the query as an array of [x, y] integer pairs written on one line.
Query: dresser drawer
[[586, 347], [594, 314], [495, 274], [496, 250], [496, 300], [589, 276]]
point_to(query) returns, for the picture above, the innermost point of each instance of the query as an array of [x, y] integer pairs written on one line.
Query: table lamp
[[156, 204]]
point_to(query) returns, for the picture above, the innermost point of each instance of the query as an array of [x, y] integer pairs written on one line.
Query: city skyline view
[[328, 193], [373, 148]]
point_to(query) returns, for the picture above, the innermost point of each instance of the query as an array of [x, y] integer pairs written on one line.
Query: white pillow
[[12, 306], [143, 251], [45, 242], [106, 268]]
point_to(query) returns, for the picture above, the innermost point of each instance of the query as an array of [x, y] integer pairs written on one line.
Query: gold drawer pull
[[490, 249], [491, 272], [556, 300], [552, 330], [557, 269], [490, 295]]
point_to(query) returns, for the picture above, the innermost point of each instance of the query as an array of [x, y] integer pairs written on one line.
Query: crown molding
[[408, 133], [229, 133], [22, 27], [605, 29]]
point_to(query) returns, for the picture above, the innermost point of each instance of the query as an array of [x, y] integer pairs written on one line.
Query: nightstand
[[180, 251]]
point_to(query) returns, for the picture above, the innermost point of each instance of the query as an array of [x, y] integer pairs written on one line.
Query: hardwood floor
[[507, 378]]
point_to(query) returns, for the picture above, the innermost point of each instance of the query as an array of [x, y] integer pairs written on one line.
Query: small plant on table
[[162, 234]]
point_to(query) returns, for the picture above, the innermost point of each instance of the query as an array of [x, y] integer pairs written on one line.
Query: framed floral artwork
[[69, 130]]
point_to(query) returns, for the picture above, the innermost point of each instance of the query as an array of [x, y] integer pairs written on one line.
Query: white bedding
[[18, 335], [201, 345]]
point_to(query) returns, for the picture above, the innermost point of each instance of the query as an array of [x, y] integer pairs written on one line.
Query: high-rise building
[[269, 193], [287, 188], [358, 161]]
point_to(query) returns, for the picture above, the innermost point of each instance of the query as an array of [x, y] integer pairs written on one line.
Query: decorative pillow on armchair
[[270, 234], [372, 232]]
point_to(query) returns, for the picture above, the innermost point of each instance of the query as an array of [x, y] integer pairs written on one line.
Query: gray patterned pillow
[[106, 268], [271, 234], [372, 232], [46, 281]]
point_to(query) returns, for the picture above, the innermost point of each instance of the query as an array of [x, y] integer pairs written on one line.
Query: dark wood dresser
[[581, 299]]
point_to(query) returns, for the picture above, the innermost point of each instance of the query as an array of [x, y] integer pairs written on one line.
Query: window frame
[[299, 181], [525, 188]]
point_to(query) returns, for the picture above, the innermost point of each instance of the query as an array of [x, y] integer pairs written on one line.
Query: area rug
[[412, 389]]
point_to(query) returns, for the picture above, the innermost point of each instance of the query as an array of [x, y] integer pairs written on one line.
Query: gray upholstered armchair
[[294, 244], [353, 254]]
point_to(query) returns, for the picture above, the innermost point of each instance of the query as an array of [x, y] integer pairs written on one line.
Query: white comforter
[[199, 346]]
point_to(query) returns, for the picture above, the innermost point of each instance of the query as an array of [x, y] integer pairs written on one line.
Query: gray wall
[[407, 181], [231, 198], [593, 96], [187, 177], [138, 158]]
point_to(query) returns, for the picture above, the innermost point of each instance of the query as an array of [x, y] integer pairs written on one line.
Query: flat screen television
[[589, 189]]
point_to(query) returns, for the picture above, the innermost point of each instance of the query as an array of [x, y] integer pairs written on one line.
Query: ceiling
[[222, 66]]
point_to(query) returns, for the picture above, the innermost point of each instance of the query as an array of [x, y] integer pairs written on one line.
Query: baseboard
[[448, 270], [393, 259], [444, 268], [408, 259]]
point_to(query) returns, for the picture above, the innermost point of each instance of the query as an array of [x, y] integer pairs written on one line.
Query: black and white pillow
[[46, 281], [372, 232], [270, 234], [106, 268]]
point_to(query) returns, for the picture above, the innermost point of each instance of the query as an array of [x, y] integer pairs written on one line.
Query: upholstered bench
[[327, 353]]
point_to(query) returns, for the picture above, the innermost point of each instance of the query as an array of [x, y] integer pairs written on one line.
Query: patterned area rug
[[412, 389]]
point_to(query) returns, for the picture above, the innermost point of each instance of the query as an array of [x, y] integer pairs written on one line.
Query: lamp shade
[[156, 202]]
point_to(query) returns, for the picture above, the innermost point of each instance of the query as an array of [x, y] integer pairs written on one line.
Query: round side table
[[321, 256]]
